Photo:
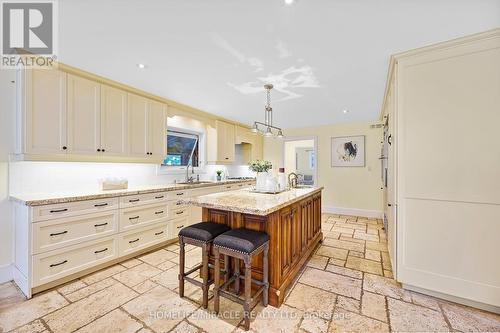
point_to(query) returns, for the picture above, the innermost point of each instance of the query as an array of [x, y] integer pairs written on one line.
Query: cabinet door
[[157, 132], [229, 140], [257, 145], [138, 125], [84, 112], [113, 121], [225, 141], [45, 112]]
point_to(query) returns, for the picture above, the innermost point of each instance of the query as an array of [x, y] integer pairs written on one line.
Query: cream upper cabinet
[[257, 147], [157, 130], [45, 112], [114, 138], [225, 141], [138, 125], [84, 115], [147, 129], [255, 141]]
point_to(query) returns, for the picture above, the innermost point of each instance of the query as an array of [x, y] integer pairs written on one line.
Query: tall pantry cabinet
[[442, 106]]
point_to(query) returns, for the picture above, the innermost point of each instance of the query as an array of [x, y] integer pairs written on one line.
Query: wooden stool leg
[[182, 257], [226, 269], [265, 276], [216, 279], [204, 272], [237, 274], [248, 291]]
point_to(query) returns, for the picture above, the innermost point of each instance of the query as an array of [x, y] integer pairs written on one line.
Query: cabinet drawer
[[142, 199], [54, 234], [177, 225], [179, 212], [56, 264], [48, 212], [175, 204], [139, 239], [135, 217], [173, 195]]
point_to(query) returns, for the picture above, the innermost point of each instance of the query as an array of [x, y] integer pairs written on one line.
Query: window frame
[[200, 169]]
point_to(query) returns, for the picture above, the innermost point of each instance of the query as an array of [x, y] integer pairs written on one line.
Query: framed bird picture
[[348, 151]]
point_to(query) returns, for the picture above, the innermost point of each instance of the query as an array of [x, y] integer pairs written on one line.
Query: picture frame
[[348, 151]]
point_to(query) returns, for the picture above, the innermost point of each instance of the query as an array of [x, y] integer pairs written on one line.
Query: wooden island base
[[294, 232]]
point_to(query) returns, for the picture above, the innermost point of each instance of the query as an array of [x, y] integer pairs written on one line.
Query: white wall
[[290, 153], [7, 141], [348, 190]]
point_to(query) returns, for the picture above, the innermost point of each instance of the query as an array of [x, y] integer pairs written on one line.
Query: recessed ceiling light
[[345, 111], [289, 2], [141, 66]]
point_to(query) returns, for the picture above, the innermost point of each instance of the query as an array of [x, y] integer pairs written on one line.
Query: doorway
[[300, 156]]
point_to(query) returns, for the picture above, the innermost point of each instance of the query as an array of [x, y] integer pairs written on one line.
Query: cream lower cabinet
[[59, 242]]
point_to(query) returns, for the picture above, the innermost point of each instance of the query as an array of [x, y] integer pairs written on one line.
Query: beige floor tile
[[71, 287], [467, 319], [341, 244], [33, 327], [210, 322], [164, 266], [93, 288], [349, 304], [88, 309], [145, 286], [193, 258], [160, 308], [406, 317], [326, 227], [184, 327], [277, 320], [336, 262], [376, 246], [137, 274], [388, 274], [350, 239], [364, 265], [345, 271], [103, 274], [373, 305], [424, 300], [372, 231], [316, 261], [131, 263], [312, 300], [345, 321], [314, 324], [386, 261], [373, 255], [26, 312], [332, 252], [157, 257], [332, 282], [331, 234], [115, 321], [168, 278], [145, 330], [10, 295], [363, 235], [356, 254], [343, 230], [384, 286]]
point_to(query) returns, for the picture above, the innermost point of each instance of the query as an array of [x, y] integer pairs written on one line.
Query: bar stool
[[242, 244], [202, 235]]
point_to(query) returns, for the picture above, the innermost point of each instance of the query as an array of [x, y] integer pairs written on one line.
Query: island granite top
[[248, 202]]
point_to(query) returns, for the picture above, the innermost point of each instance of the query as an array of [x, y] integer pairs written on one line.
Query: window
[[180, 145]]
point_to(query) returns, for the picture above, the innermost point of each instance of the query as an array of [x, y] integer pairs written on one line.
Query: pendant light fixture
[[268, 129]]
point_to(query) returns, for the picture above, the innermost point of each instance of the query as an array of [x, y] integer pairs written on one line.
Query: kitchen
[[133, 200]]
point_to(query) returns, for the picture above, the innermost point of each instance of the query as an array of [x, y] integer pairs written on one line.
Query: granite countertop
[[248, 202], [39, 199]]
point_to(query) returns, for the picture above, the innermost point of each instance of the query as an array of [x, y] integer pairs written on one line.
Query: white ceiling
[[323, 56]]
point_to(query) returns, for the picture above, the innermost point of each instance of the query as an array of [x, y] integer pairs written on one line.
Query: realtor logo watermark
[[28, 33]]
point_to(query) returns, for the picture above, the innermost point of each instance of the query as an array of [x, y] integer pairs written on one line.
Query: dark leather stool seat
[[242, 240], [202, 235], [204, 231]]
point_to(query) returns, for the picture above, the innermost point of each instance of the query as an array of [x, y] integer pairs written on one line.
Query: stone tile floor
[[347, 286]]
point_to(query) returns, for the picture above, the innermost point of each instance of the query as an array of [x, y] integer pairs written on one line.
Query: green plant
[[218, 172], [260, 166]]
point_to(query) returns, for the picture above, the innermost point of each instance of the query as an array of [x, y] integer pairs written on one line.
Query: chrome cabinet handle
[[133, 241], [100, 225], [59, 210], [100, 251], [59, 233], [58, 264]]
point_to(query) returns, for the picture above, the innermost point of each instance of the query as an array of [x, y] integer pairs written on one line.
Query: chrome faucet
[[292, 179], [190, 162]]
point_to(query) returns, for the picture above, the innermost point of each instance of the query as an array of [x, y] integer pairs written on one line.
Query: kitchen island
[[291, 218]]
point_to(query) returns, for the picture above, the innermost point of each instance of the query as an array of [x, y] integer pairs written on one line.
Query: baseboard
[[6, 273], [455, 299], [353, 211]]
